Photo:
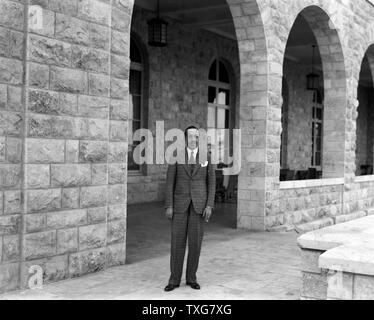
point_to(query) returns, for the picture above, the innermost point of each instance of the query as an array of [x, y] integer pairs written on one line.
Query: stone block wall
[[359, 197], [351, 287], [323, 204], [314, 279], [75, 211], [63, 145], [303, 205], [12, 115]]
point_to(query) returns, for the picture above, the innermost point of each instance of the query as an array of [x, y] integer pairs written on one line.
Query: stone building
[[77, 77]]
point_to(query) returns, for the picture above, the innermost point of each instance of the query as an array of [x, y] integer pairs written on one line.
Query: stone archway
[[335, 85], [253, 106], [335, 90], [370, 56], [365, 117]]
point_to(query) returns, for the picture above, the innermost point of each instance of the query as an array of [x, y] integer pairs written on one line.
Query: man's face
[[192, 138]]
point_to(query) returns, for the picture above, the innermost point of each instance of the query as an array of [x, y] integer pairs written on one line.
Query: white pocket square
[[205, 164]]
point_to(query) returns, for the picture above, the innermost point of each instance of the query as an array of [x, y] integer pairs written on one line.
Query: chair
[[290, 175], [366, 170], [312, 174], [220, 189], [231, 191], [370, 170], [301, 174], [283, 174]]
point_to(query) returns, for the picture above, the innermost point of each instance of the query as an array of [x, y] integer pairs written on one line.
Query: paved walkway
[[234, 264]]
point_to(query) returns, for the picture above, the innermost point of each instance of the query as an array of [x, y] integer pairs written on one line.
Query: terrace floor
[[234, 264]]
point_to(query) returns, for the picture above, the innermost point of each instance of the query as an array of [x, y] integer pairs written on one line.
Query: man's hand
[[207, 213], [169, 213]]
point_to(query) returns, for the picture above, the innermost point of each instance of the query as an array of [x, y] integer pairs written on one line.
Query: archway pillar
[[260, 122], [253, 113], [260, 118]]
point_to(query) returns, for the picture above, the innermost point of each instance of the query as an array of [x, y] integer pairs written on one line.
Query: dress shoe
[[171, 287], [194, 286]]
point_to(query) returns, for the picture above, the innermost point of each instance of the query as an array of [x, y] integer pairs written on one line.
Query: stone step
[[349, 217], [283, 228], [321, 223], [314, 225]]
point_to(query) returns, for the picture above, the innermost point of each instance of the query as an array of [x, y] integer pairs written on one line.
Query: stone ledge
[[346, 255], [364, 178], [282, 228], [350, 217], [356, 259], [311, 183], [356, 231], [314, 225]]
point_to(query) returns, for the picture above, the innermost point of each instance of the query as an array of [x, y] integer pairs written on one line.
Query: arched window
[[284, 120], [365, 116], [317, 130], [220, 103], [136, 108]]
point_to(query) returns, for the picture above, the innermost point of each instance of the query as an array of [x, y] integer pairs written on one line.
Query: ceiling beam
[[291, 57], [222, 33], [194, 10], [307, 45], [209, 23], [146, 4], [300, 60]]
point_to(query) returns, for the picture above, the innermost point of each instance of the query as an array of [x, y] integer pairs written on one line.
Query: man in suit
[[190, 193]]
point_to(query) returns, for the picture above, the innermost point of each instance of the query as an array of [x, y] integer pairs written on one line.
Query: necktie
[[191, 161]]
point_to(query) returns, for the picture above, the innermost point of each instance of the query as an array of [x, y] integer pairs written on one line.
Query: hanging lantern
[[312, 79], [157, 30]]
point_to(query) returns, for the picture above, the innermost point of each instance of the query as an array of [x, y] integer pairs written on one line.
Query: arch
[[364, 117], [228, 82], [233, 68], [284, 121], [139, 62], [369, 54], [221, 100], [335, 89], [145, 61]]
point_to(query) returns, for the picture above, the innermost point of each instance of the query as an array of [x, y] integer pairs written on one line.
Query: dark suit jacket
[[182, 187]]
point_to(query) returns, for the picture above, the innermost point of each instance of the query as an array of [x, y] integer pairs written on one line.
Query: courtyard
[[235, 264], [79, 78]]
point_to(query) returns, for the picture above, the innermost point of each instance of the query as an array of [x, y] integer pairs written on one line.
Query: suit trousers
[[188, 225]]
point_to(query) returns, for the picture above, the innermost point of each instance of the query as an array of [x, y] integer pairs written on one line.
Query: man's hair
[[189, 128]]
